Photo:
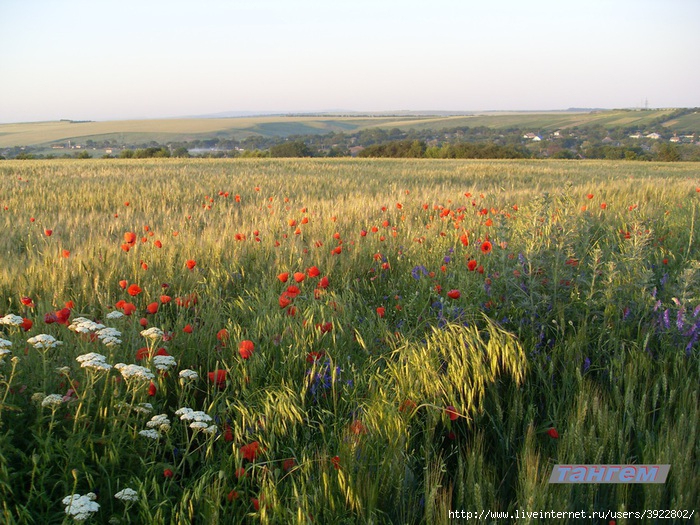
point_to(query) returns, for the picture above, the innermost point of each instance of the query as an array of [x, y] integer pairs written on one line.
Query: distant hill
[[164, 131]]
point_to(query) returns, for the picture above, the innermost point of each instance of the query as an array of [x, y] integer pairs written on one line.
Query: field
[[345, 341], [177, 130]]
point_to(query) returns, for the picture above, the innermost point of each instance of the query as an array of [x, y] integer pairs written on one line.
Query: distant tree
[[83, 155], [126, 154], [668, 153], [181, 152], [290, 149]]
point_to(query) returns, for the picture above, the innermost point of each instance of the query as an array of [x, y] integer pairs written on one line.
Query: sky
[[138, 59]]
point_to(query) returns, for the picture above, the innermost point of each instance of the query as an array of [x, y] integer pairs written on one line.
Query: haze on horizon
[[83, 60]]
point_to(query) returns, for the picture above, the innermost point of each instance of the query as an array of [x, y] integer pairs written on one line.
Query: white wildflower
[[188, 374], [143, 408], [80, 507], [94, 361], [83, 325], [150, 433], [4, 343], [38, 397], [111, 341], [52, 400], [11, 320], [194, 415], [43, 341], [198, 425], [211, 430], [63, 370], [134, 372], [4, 352], [164, 362], [160, 421], [108, 332], [152, 333], [182, 411], [127, 495], [116, 314]]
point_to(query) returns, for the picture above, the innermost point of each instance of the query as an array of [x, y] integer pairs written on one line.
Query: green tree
[[668, 153], [290, 149]]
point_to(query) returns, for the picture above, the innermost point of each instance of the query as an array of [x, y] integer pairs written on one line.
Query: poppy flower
[[228, 433], [471, 265], [486, 247], [356, 427], [26, 324], [152, 389], [323, 283], [165, 299], [187, 329], [222, 335], [143, 322], [129, 308], [190, 264], [130, 238], [142, 353], [134, 290], [167, 473], [335, 460], [158, 244], [245, 348], [65, 254], [218, 378], [48, 233], [454, 294], [381, 311], [288, 464], [552, 432], [292, 291], [284, 301], [256, 503], [299, 277], [123, 284], [283, 277], [313, 272], [250, 451], [452, 413]]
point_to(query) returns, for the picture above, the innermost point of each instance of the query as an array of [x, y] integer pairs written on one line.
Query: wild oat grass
[[372, 395]]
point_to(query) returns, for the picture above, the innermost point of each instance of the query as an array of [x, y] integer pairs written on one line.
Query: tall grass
[[381, 397]]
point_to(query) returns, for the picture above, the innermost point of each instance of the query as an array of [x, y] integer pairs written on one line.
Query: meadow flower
[[552, 432], [164, 362], [4, 343], [43, 341], [143, 408], [486, 247], [250, 451], [135, 372], [52, 401], [11, 320], [160, 422], [152, 333], [245, 348], [83, 325], [150, 433], [187, 414], [218, 378], [80, 507], [189, 375], [94, 361], [127, 494], [134, 290]]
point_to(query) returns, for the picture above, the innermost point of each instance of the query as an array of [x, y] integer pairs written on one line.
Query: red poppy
[[603, 205], [233, 495], [142, 353], [292, 291], [27, 301], [48, 233], [152, 389], [245, 348], [313, 272], [335, 460], [222, 335], [299, 277], [26, 324], [143, 322], [314, 356], [190, 264], [152, 308], [187, 329], [471, 265], [407, 406], [134, 290], [356, 427], [452, 413], [129, 308], [454, 294], [65, 254], [165, 299], [158, 244], [323, 283], [283, 277], [288, 464], [590, 195], [552, 432], [123, 283], [250, 451], [130, 238], [218, 378], [284, 301], [381, 311], [486, 247], [167, 473], [228, 433]]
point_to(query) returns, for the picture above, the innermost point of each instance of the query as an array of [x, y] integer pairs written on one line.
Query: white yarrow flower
[[194, 415], [164, 362], [198, 425], [152, 333], [11, 320], [83, 325], [4, 343], [4, 352], [188, 374], [134, 372], [43, 341], [94, 361], [211, 430], [160, 421], [127, 495], [150, 433], [116, 314], [143, 408], [111, 341], [52, 400], [80, 507]]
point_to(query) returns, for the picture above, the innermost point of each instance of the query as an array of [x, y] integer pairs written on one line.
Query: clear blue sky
[[102, 60]]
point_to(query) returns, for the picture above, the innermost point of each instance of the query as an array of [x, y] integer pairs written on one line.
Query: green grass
[[582, 316]]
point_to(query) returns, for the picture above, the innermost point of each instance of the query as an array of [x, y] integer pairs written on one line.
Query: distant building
[[532, 136], [654, 136]]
